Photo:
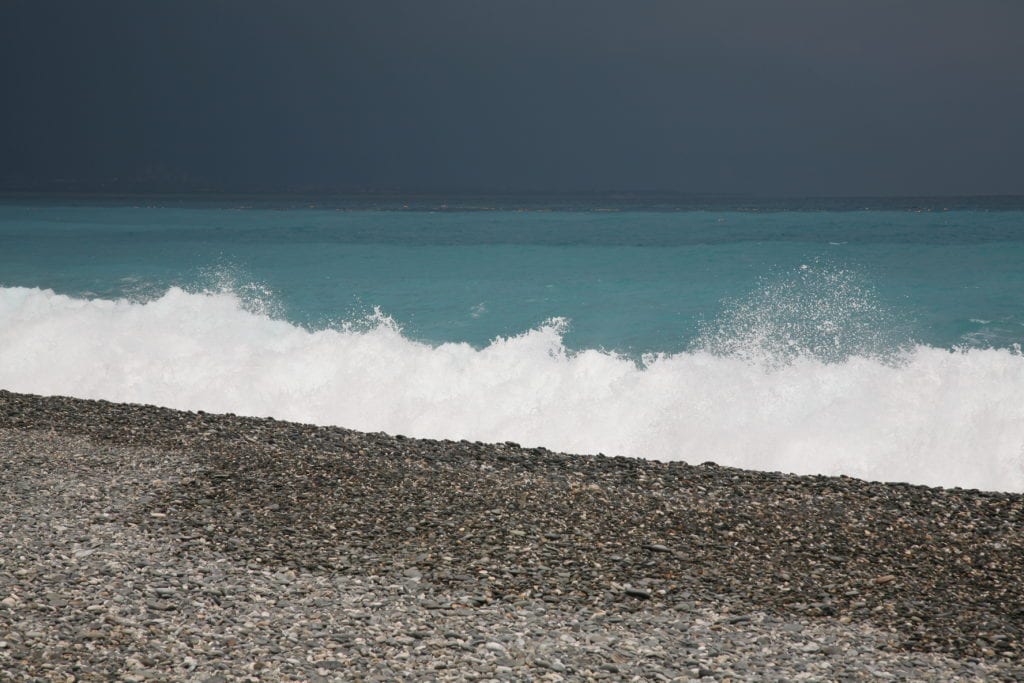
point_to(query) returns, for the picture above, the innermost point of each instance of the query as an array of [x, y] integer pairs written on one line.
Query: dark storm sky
[[779, 97]]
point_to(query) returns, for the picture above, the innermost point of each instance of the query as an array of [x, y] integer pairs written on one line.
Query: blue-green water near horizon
[[630, 281], [673, 328]]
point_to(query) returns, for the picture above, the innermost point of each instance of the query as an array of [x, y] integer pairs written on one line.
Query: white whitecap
[[932, 416]]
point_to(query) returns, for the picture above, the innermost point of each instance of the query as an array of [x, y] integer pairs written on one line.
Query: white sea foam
[[933, 416]]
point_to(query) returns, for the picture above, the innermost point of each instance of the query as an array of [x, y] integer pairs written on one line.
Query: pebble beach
[[141, 543]]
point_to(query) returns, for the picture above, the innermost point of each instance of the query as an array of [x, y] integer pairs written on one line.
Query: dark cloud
[[768, 97]]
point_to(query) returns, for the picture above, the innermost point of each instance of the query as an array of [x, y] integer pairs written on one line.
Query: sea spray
[[818, 311], [932, 416]]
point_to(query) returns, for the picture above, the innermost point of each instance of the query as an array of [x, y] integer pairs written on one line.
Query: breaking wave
[[921, 414]]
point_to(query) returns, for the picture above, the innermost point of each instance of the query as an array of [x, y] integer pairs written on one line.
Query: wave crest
[[938, 417]]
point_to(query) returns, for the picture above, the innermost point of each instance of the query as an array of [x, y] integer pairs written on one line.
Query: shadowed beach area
[[153, 544]]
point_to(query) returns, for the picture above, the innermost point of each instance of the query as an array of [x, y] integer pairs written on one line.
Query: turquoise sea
[[873, 337]]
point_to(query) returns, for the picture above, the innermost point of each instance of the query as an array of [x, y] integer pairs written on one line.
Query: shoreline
[[726, 573]]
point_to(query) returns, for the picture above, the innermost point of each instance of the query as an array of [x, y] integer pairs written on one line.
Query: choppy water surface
[[880, 342]]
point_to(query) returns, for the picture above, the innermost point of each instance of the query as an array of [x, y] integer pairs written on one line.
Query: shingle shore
[[143, 542]]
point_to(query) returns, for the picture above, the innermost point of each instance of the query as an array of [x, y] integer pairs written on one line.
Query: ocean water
[[878, 338]]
